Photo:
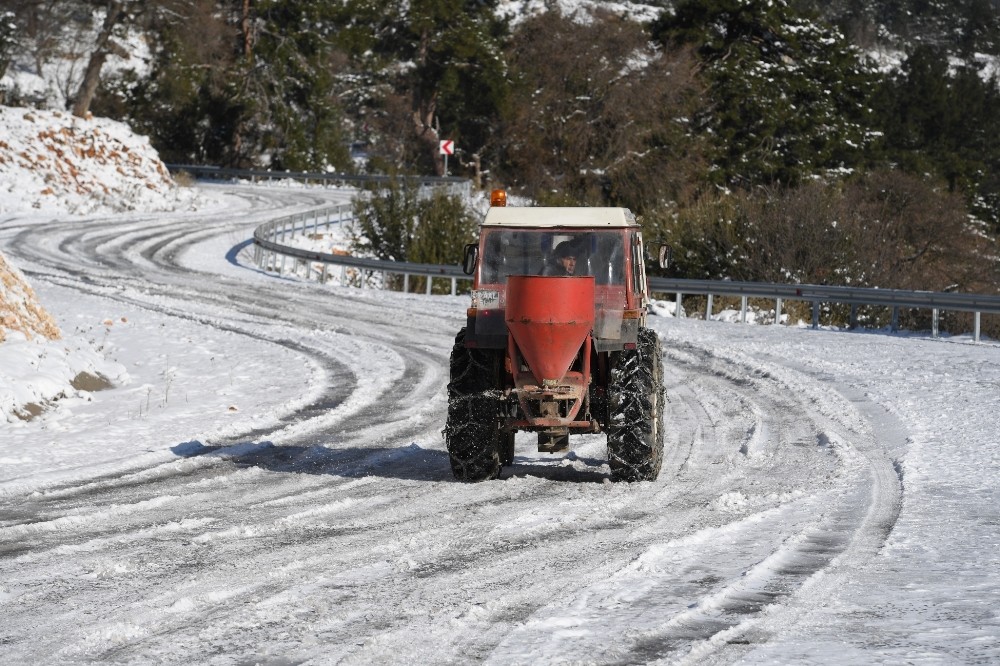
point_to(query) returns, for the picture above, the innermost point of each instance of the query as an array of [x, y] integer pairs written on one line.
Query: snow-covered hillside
[[53, 162]]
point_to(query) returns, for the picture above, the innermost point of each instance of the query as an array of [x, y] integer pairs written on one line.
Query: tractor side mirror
[[664, 256], [469, 259]]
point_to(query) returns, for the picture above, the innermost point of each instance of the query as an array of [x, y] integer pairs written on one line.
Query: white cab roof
[[503, 216]]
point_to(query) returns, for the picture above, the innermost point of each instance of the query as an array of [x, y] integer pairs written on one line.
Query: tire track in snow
[[682, 598]]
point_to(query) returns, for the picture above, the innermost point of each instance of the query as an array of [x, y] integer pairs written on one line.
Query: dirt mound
[[19, 308]]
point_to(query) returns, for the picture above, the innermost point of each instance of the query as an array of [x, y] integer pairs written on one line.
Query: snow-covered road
[[271, 486]]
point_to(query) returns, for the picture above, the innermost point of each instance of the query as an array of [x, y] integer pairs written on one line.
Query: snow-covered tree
[[788, 94]]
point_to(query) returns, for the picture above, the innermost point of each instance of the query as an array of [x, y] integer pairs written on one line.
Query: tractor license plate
[[486, 299]]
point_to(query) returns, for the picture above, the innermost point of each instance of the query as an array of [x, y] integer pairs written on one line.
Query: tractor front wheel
[[635, 411], [476, 445]]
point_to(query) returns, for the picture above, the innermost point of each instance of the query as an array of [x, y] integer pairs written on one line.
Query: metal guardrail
[[269, 250], [272, 254], [816, 295]]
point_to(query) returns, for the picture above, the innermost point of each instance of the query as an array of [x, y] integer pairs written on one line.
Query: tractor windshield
[[509, 252], [566, 252]]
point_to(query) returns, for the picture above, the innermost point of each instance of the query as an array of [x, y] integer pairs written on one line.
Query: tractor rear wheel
[[635, 419], [476, 445]]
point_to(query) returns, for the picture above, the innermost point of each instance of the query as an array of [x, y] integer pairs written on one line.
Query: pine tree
[[288, 67], [242, 83], [941, 119], [788, 94]]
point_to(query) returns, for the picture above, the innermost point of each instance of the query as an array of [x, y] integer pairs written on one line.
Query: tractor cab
[[603, 243], [555, 341]]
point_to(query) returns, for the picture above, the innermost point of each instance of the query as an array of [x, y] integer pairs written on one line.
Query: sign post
[[446, 147]]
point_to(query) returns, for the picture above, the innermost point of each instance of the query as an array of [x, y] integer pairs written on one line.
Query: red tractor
[[556, 342]]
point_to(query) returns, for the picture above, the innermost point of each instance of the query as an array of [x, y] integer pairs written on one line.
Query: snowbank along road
[[332, 531]]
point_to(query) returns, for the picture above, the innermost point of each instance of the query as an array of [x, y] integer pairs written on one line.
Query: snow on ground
[[163, 370], [265, 479]]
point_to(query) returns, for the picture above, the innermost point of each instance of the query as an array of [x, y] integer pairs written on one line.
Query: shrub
[[401, 222]]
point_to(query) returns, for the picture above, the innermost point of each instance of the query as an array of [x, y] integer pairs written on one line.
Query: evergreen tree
[[242, 84], [188, 104], [288, 71], [959, 26], [8, 38], [944, 120], [788, 95], [398, 221]]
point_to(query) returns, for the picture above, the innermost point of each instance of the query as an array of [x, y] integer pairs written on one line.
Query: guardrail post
[[852, 323], [935, 322], [815, 321], [677, 306], [406, 283], [978, 321], [322, 277], [743, 310], [708, 309], [454, 286], [777, 310], [894, 325], [430, 281]]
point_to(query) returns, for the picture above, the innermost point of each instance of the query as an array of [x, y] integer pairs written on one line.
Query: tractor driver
[[565, 260]]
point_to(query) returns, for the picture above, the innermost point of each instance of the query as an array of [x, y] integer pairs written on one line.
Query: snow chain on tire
[[635, 423], [476, 445]]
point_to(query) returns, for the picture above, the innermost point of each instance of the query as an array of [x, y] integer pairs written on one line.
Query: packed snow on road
[[265, 480]]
